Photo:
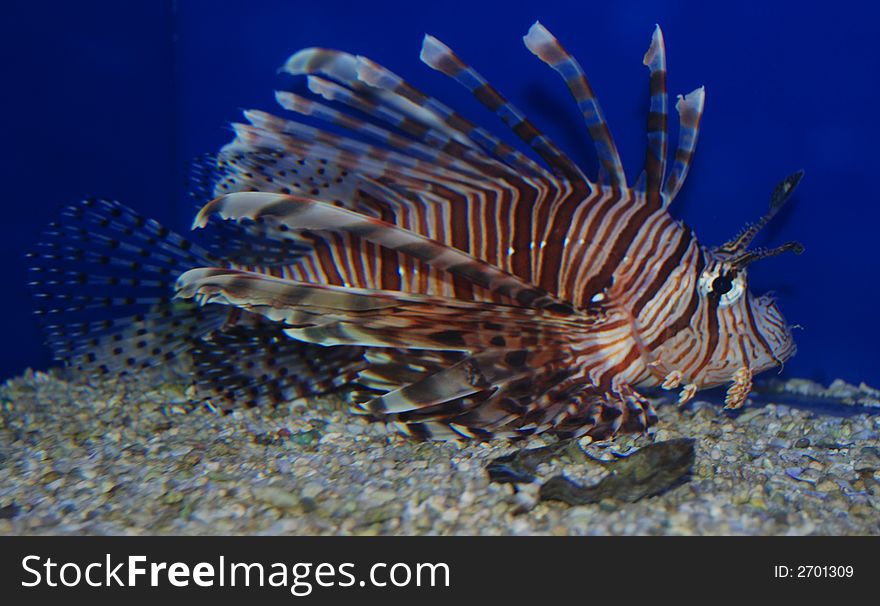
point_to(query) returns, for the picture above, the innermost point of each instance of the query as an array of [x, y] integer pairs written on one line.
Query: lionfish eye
[[725, 287], [722, 284]]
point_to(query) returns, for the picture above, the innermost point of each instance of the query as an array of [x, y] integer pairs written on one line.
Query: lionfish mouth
[[776, 333], [775, 343]]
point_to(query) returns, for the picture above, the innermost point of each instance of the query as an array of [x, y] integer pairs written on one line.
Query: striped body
[[472, 291]]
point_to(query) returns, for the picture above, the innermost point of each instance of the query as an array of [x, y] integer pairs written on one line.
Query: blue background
[[112, 98]]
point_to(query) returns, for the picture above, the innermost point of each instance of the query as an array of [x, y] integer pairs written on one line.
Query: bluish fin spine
[[304, 214], [347, 69], [254, 363], [431, 137], [407, 148], [270, 132], [307, 107], [202, 174], [657, 129], [369, 78], [456, 156], [103, 279], [690, 111], [440, 57], [543, 45]]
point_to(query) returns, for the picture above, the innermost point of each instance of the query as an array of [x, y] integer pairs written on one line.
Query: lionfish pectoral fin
[[621, 411], [548, 49], [690, 112], [254, 363], [738, 392], [486, 369], [481, 372], [492, 393], [296, 213], [326, 314], [518, 402], [687, 393], [103, 279]]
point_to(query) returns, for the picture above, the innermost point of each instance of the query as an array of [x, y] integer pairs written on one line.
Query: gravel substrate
[[125, 457]]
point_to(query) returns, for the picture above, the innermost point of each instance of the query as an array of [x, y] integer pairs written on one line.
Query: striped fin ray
[[253, 363], [545, 46], [545, 397], [440, 57], [346, 69], [325, 314], [414, 199], [388, 369], [365, 76], [408, 164], [473, 392], [262, 158], [103, 281], [509, 358], [421, 132], [296, 213], [690, 111], [655, 155], [408, 147], [470, 214], [518, 401], [338, 258]]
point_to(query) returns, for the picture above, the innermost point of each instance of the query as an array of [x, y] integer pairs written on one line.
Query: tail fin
[[103, 279], [104, 282], [254, 363]]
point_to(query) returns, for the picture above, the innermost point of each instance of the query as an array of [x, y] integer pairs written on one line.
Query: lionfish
[[447, 282]]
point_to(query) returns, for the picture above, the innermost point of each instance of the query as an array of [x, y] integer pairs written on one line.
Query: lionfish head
[[751, 330]]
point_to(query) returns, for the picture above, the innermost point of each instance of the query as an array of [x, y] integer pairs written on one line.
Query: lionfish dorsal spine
[[658, 118], [428, 142], [690, 112], [361, 75], [548, 49], [440, 57]]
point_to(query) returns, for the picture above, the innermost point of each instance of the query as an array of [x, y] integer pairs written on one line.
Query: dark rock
[[647, 472], [519, 467], [9, 512]]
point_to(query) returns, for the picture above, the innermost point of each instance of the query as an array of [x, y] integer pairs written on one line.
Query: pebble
[[276, 497], [111, 458], [311, 490]]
